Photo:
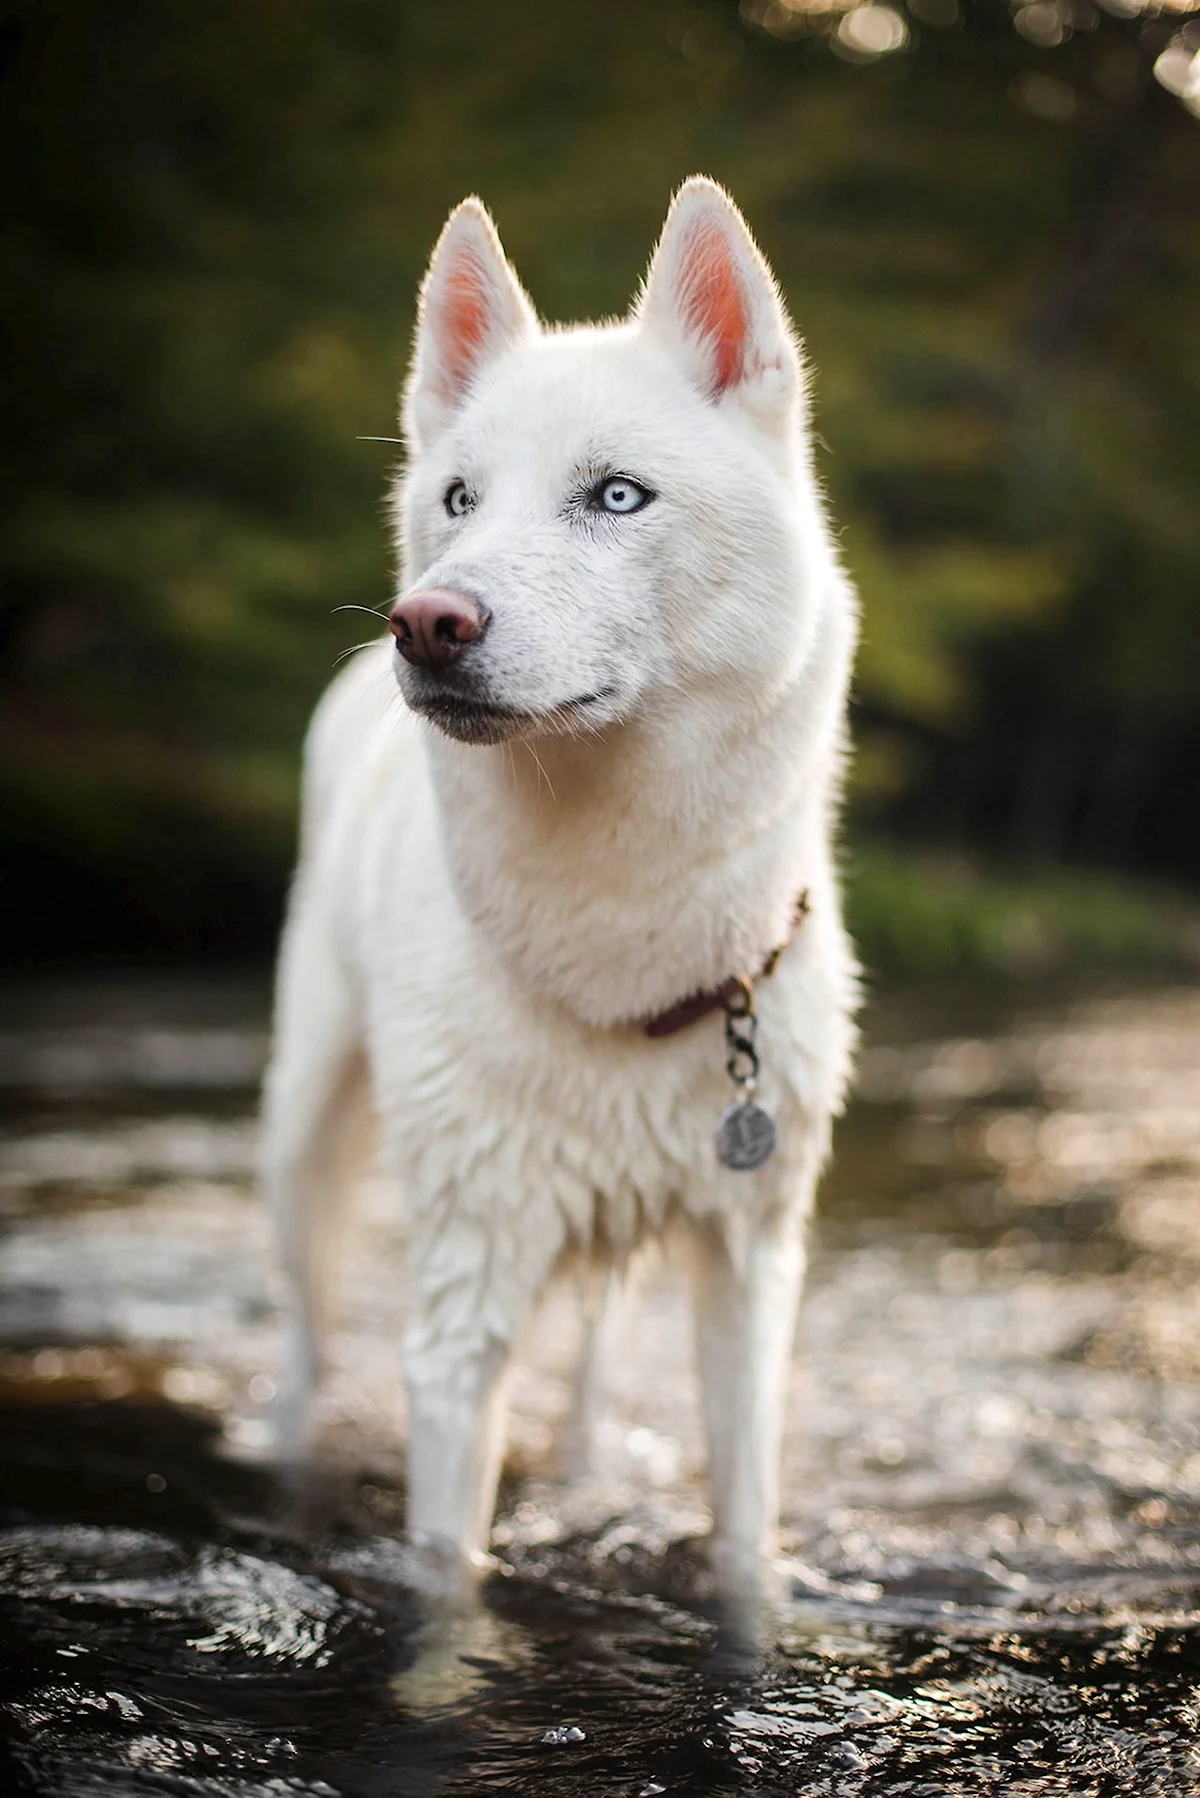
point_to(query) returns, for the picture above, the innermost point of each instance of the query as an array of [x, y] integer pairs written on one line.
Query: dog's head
[[596, 516]]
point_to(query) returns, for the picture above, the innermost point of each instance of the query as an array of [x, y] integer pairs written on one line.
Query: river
[[992, 1483]]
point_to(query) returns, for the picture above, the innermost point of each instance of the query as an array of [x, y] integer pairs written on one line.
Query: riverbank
[[925, 916]]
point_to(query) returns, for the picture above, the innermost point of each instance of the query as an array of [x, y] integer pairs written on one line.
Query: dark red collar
[[716, 998], [689, 1011]]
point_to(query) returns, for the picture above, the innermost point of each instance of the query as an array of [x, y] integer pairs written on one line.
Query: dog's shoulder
[[359, 712]]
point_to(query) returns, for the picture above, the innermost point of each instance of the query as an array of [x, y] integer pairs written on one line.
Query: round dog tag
[[745, 1135]]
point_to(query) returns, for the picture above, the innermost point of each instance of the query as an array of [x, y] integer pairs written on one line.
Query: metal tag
[[745, 1135]]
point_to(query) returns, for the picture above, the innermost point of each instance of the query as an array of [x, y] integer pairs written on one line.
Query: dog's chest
[[483, 1093], [493, 1097]]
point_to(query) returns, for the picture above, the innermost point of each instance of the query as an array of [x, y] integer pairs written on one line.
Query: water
[[992, 1480]]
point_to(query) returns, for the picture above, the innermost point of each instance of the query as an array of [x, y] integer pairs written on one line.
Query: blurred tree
[[214, 221]]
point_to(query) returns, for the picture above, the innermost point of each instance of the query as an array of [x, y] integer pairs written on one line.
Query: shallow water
[[992, 1483]]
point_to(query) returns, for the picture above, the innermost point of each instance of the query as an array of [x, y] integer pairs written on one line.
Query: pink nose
[[435, 626]]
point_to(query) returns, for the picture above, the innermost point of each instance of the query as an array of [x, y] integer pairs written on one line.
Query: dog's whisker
[[542, 774], [373, 611], [354, 649], [582, 729]]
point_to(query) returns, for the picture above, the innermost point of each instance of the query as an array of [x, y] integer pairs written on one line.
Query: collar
[[717, 998]]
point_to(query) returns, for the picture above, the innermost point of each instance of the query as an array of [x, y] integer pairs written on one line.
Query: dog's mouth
[[471, 720]]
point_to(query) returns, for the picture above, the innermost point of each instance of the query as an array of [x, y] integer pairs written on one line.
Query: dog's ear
[[710, 295], [471, 307]]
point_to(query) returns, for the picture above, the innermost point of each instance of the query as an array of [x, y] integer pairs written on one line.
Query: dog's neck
[[618, 874]]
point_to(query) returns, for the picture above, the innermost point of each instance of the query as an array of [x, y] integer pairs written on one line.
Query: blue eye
[[458, 499], [620, 494]]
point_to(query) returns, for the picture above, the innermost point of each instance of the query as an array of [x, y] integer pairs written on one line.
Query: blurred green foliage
[[914, 915], [214, 221]]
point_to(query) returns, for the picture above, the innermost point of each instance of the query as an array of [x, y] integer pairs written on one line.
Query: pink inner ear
[[464, 318], [713, 302]]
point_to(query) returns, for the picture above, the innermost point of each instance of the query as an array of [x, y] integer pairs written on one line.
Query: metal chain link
[[741, 1030]]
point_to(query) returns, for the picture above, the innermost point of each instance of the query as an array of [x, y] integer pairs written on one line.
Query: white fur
[[481, 926]]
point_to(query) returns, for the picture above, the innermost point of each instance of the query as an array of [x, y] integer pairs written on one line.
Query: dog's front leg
[[747, 1293], [470, 1295]]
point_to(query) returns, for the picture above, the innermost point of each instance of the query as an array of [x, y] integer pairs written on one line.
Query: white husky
[[624, 640]]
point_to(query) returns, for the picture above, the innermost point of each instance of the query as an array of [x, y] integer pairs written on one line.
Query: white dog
[[524, 899]]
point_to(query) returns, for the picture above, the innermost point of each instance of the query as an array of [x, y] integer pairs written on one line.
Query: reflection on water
[[992, 1486]]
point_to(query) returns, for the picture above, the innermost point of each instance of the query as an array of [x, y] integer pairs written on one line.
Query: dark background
[[215, 216]]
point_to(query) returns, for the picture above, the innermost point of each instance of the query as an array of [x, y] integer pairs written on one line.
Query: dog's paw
[[743, 1577], [442, 1574], [292, 1422]]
